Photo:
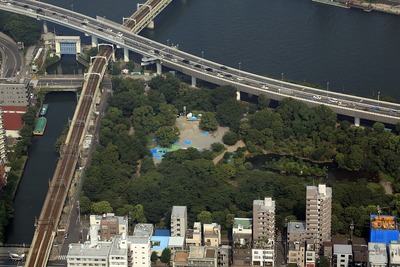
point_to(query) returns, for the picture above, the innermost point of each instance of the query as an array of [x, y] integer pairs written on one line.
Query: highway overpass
[[198, 68]]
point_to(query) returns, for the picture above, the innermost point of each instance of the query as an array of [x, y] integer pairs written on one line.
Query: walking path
[[233, 148]]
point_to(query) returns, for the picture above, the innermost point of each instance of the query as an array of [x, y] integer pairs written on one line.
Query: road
[[12, 57]]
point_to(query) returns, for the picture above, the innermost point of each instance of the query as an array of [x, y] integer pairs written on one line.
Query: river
[[355, 51], [39, 169]]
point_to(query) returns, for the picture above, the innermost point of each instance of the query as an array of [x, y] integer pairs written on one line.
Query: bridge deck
[[57, 194], [145, 14]]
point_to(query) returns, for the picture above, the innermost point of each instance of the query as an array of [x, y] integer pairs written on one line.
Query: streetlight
[[72, 7], [351, 231], [167, 42], [327, 88], [379, 95], [240, 63], [282, 76], [202, 55]]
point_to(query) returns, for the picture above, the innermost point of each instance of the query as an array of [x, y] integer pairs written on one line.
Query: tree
[[167, 135], [263, 102], [208, 122], [154, 257], [144, 119], [324, 262], [166, 256], [230, 138], [204, 217], [85, 205], [101, 207], [130, 65], [229, 113]]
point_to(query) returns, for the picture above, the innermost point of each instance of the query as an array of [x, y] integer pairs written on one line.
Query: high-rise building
[[3, 143], [264, 219], [318, 215], [179, 221]]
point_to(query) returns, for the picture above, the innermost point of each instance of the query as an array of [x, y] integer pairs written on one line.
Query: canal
[[39, 169]]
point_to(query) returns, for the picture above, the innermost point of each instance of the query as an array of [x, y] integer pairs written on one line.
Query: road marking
[[62, 257]]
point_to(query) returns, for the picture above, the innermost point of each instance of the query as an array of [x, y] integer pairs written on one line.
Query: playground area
[[191, 136]]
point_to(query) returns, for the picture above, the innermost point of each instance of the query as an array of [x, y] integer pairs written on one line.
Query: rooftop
[[179, 211], [143, 229], [394, 253], [13, 121], [86, 251], [117, 249], [202, 252], [181, 256], [162, 232], [176, 241], [342, 249], [159, 242], [377, 253], [296, 227], [266, 204], [244, 223]]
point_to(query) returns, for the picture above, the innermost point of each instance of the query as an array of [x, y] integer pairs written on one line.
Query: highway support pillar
[[159, 68], [126, 55], [194, 81], [356, 121], [94, 41], [150, 25], [45, 28], [238, 95]]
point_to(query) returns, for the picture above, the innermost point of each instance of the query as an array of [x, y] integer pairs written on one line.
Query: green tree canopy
[[167, 135], [101, 207], [208, 122]]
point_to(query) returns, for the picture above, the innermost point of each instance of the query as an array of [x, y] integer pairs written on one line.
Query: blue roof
[[162, 232], [159, 242]]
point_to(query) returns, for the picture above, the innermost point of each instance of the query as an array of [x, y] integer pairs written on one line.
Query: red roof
[[14, 108], [13, 121]]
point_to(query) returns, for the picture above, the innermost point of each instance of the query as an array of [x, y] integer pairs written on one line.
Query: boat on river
[[43, 111], [40, 126]]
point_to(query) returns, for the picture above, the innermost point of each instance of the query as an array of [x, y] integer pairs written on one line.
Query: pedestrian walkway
[[62, 257]]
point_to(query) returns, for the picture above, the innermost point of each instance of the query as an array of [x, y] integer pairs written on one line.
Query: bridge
[[199, 68]]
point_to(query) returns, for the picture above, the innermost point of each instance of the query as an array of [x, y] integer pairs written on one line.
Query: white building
[[394, 255], [342, 255], [377, 256], [131, 251], [15, 92], [263, 253], [179, 221], [109, 225], [3, 144]]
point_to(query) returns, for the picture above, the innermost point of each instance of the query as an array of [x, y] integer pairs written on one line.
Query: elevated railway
[[51, 212]]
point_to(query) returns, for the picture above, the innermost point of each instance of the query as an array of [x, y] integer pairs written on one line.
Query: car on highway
[[174, 60], [86, 21], [316, 97], [239, 78], [120, 34], [223, 68], [100, 29], [209, 69], [3, 1], [185, 61], [332, 100], [264, 87], [220, 75], [109, 30], [375, 108], [168, 55], [197, 66]]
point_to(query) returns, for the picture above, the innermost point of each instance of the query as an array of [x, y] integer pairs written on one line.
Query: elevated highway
[[51, 212], [199, 68]]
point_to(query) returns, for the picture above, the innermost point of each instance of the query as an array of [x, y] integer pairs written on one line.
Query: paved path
[[233, 148]]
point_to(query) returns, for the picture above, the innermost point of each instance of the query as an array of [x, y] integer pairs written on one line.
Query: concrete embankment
[[380, 7]]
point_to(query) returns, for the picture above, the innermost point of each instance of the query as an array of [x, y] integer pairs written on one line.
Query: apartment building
[[212, 234], [179, 221], [377, 255], [3, 142], [318, 215], [122, 250], [295, 244], [242, 232], [264, 219], [194, 236], [342, 255], [394, 255], [110, 225], [15, 92]]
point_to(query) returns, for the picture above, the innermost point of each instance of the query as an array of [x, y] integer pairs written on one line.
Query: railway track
[[51, 212], [131, 23]]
